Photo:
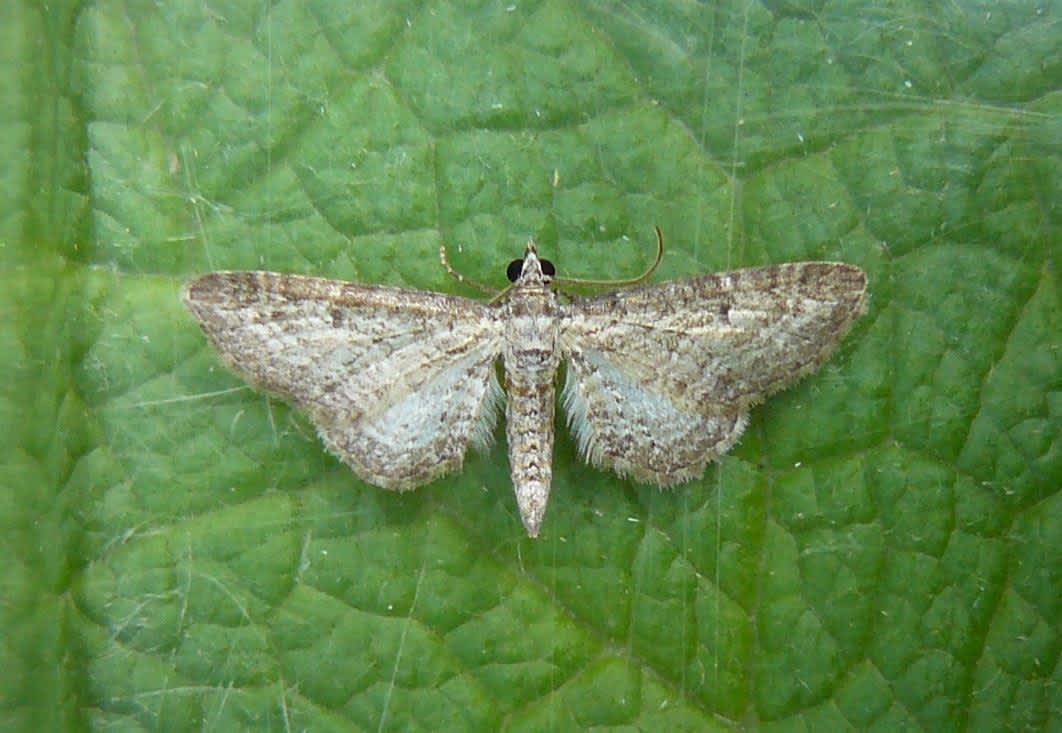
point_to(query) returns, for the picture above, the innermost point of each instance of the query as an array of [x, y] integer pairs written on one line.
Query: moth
[[400, 383]]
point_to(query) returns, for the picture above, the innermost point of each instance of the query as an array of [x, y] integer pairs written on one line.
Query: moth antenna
[[445, 259], [624, 282]]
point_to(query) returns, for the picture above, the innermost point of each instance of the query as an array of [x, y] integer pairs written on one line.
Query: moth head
[[531, 268]]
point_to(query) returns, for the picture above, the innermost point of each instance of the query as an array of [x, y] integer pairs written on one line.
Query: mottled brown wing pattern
[[660, 378], [636, 431], [398, 382]]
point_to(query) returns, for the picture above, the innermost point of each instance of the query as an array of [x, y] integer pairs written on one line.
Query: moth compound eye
[[548, 269], [514, 269]]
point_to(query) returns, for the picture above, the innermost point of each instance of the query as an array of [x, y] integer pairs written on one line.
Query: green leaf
[[880, 551]]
